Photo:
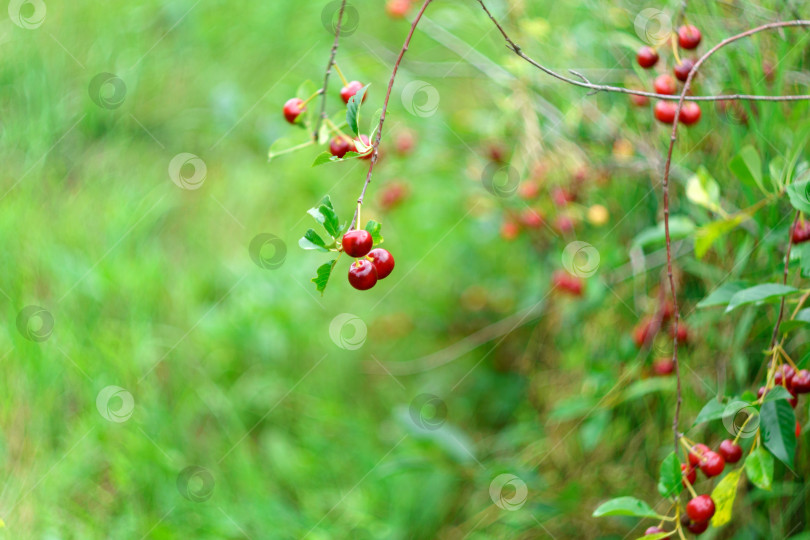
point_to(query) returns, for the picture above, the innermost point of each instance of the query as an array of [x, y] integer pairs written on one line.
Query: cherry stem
[[335, 129], [742, 427], [340, 74], [313, 96], [673, 41], [331, 63], [377, 139]]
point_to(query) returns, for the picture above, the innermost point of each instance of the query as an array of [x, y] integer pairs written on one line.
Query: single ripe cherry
[[665, 111], [697, 453], [663, 366], [690, 113], [509, 230], [700, 509], [698, 527], [682, 70], [689, 474], [566, 282], [531, 219], [643, 332], [713, 464], [367, 142], [801, 232], [397, 8], [688, 36], [357, 243], [529, 190], [784, 374], [351, 89], [383, 262], [338, 146], [653, 530], [731, 452], [665, 84], [646, 57], [393, 194], [293, 108], [362, 275], [801, 382], [683, 333], [639, 101]]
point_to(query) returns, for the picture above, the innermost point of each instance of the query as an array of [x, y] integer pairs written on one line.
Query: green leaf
[[374, 228], [704, 190], [679, 227], [657, 536], [776, 393], [326, 216], [626, 506], [778, 426], [759, 468], [801, 319], [707, 235], [799, 195], [327, 157], [312, 240], [722, 294], [801, 252], [747, 166], [322, 277], [644, 387], [353, 110], [669, 479], [711, 411], [759, 293], [723, 496]]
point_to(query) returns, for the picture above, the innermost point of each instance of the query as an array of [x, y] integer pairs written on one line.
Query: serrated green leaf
[[374, 229], [776, 393], [669, 478], [723, 496], [321, 279], [759, 468], [713, 410], [327, 201], [326, 216], [353, 110], [778, 427], [722, 294], [312, 240], [626, 506], [759, 293]]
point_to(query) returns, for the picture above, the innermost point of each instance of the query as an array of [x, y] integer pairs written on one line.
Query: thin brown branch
[[585, 83], [331, 63], [376, 144], [784, 280]]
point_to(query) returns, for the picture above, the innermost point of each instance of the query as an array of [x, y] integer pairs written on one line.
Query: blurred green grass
[[231, 366]]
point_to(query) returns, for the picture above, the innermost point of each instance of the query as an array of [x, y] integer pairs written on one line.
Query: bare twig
[[377, 139], [784, 280], [332, 55]]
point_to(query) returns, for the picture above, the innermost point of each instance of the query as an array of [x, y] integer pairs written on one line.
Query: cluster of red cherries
[[649, 326], [371, 264], [794, 382], [688, 39]]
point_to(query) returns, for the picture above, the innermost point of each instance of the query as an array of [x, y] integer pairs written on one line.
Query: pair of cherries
[[699, 511], [371, 264], [295, 106]]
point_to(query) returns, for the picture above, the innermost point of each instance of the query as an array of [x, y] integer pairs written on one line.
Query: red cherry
[[362, 275], [351, 89], [690, 113], [509, 230], [801, 232], [531, 219], [642, 332], [357, 243], [338, 146], [696, 455], [664, 366], [682, 70], [665, 84], [393, 194], [761, 392], [689, 474], [529, 190], [496, 153], [404, 142], [784, 373], [639, 101], [665, 111], [667, 311], [564, 223], [397, 8], [561, 196], [683, 333], [731, 452], [567, 283], [700, 509], [383, 262], [653, 530], [688, 36], [364, 140], [794, 400], [801, 382], [713, 464], [646, 57], [698, 528], [293, 108]]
